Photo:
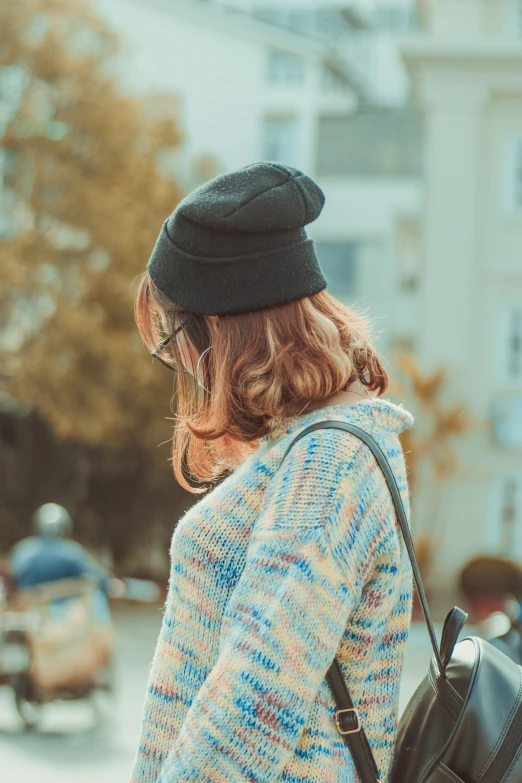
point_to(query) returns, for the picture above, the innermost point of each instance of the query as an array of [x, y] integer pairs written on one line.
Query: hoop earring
[[197, 369]]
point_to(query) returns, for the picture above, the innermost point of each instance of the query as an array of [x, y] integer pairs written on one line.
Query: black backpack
[[464, 721]]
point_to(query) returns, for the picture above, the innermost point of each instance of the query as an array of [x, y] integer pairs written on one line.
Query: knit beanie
[[238, 242]]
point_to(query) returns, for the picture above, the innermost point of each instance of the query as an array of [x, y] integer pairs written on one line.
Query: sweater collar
[[377, 414]]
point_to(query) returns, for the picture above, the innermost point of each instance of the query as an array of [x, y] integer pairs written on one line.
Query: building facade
[[466, 70], [256, 81]]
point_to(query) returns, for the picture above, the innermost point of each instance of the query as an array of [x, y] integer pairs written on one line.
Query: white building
[[467, 78], [423, 218], [284, 82], [362, 32], [247, 89]]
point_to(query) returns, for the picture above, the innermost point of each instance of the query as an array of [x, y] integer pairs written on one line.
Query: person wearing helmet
[[50, 555]]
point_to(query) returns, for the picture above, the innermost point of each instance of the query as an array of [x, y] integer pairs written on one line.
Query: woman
[[278, 569]]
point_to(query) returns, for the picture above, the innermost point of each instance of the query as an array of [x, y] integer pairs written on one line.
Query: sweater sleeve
[[303, 575]]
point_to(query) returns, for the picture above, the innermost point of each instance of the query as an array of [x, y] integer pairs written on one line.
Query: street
[[73, 746]]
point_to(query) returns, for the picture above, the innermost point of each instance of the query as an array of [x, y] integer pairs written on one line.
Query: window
[[408, 244], [370, 143], [339, 263], [330, 22], [515, 343], [280, 139], [506, 419], [393, 18], [302, 21], [508, 514], [511, 342], [506, 533], [285, 68], [517, 8], [514, 176]]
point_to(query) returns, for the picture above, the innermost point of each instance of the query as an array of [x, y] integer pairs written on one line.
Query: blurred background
[[408, 113]]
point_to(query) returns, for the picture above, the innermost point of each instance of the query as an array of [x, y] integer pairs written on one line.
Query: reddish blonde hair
[[263, 365]]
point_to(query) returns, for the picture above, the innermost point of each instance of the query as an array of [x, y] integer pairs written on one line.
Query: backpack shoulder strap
[[347, 717]]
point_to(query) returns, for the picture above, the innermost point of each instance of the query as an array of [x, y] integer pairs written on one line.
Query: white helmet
[[52, 521]]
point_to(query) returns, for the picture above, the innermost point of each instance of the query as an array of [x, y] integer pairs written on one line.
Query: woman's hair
[[263, 364]]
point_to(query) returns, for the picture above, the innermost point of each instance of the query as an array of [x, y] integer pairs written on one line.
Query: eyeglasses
[[163, 344]]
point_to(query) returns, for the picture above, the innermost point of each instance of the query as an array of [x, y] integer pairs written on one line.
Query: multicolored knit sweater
[[274, 572]]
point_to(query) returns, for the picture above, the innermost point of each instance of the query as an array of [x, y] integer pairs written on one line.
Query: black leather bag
[[464, 721]]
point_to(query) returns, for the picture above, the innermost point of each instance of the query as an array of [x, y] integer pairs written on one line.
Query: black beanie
[[238, 243]]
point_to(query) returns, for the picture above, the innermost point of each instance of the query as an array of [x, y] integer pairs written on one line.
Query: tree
[[83, 194], [85, 198], [429, 449]]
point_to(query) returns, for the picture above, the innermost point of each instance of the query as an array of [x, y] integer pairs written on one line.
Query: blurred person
[[280, 568], [50, 555], [72, 645], [488, 581]]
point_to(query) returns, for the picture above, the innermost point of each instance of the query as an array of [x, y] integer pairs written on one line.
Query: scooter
[[40, 669], [43, 662], [14, 630]]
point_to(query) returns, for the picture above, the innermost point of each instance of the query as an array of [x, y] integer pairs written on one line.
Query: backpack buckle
[[348, 731]]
